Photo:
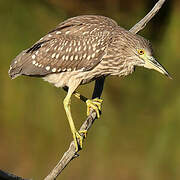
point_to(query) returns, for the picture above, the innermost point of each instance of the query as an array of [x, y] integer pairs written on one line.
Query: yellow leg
[[76, 135], [77, 95], [91, 103], [94, 103]]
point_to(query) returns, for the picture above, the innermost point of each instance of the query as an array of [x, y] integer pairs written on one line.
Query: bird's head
[[143, 54]]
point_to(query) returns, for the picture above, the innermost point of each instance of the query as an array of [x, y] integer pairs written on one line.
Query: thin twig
[[70, 154], [142, 23]]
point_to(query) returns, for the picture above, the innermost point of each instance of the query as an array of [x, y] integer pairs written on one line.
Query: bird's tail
[[16, 66]]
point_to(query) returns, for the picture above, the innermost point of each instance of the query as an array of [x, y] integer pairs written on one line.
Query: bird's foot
[[94, 104], [78, 139]]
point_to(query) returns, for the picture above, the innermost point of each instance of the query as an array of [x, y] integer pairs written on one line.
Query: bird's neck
[[116, 65]]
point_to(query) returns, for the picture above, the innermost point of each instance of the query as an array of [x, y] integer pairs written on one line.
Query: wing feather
[[78, 43]]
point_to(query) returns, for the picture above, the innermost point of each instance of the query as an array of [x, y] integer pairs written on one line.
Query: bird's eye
[[141, 51]]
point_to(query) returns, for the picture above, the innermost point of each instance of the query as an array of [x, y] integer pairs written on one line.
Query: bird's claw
[[84, 133], [78, 139], [94, 104]]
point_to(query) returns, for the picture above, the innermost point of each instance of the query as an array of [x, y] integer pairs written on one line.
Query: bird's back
[[77, 44]]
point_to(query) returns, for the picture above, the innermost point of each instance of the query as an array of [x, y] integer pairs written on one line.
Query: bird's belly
[[65, 78]]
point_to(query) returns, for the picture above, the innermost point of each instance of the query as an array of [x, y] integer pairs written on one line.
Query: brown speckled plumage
[[84, 46]]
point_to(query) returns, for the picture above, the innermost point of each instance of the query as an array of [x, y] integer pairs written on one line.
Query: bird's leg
[[78, 139], [91, 103], [94, 104], [77, 95]]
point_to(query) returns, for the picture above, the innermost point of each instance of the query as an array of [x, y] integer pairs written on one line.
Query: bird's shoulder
[[86, 21]]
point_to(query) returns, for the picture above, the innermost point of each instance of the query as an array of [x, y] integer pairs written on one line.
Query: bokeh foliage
[[137, 136]]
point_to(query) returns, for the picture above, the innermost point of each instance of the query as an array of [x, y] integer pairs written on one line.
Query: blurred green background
[[137, 136]]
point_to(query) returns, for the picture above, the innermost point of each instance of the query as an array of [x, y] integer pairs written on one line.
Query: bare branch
[[142, 23], [71, 153]]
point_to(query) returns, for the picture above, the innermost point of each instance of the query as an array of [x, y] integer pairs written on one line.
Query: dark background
[[138, 134]]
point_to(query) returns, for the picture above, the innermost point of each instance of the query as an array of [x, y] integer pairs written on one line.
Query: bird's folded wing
[[76, 44]]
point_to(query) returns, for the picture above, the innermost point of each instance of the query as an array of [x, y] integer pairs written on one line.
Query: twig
[[70, 154], [142, 23]]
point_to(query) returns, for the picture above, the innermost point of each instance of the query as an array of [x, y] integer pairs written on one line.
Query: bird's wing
[[76, 44]]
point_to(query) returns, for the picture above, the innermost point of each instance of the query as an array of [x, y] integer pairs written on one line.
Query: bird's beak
[[152, 63]]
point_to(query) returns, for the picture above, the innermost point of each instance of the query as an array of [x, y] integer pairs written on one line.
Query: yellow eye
[[141, 51]]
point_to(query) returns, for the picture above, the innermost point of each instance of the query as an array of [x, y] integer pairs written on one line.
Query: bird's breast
[[104, 68]]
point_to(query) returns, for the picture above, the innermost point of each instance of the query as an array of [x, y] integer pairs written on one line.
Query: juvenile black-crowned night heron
[[80, 50]]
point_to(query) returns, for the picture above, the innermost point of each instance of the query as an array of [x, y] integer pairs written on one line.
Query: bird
[[80, 50]]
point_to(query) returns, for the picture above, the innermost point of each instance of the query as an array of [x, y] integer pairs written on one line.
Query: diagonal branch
[[70, 154], [142, 23]]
